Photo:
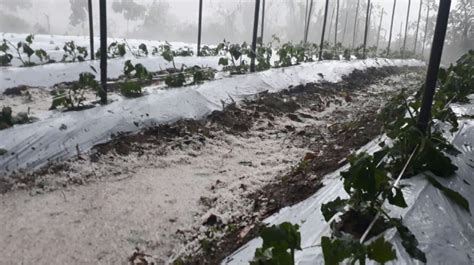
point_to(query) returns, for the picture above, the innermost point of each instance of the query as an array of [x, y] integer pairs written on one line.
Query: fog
[[176, 20]]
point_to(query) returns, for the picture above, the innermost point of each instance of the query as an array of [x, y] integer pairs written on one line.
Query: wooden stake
[[91, 29]]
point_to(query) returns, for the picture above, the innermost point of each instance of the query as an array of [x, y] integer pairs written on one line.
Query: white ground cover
[[63, 135], [444, 230]]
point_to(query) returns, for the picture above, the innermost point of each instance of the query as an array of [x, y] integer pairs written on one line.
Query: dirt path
[[155, 190]]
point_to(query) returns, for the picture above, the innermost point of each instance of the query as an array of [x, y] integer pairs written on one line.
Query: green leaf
[[279, 244], [143, 48], [454, 196], [223, 61], [381, 251], [335, 251], [331, 208], [398, 199], [30, 39], [409, 241], [27, 49], [4, 47], [3, 151]]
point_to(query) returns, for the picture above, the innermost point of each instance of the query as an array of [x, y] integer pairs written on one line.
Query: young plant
[[131, 89], [73, 97], [235, 53], [200, 74], [116, 49], [137, 71], [264, 55], [279, 245], [74, 52], [5, 57], [183, 52], [24, 47], [7, 119], [175, 80]]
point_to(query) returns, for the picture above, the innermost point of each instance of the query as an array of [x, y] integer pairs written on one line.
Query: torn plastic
[[64, 135], [444, 230]]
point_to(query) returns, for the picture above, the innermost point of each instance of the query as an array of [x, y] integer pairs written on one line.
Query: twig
[[395, 184]]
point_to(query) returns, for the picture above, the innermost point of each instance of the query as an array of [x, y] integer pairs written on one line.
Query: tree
[[461, 24], [15, 5], [78, 12], [130, 10]]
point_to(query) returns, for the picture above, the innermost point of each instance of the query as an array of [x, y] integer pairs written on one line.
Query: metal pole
[[406, 30], [305, 20], [103, 50], [426, 28], [433, 66], [263, 21], [380, 28], [345, 27], [367, 17], [391, 28], [418, 26], [199, 29], [330, 23], [91, 29], [337, 21], [324, 30], [355, 25], [255, 34], [310, 11]]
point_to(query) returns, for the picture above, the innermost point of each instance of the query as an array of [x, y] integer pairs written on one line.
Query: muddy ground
[[196, 190]]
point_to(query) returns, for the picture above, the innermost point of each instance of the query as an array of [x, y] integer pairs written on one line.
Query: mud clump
[[232, 119]]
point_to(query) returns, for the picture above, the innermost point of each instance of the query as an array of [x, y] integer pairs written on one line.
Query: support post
[[91, 29], [321, 46], [199, 29], [310, 12], [391, 28], [433, 65], [355, 25], [330, 23], [305, 20], [426, 28], [418, 26], [337, 21], [345, 27], [366, 34], [406, 30], [378, 33], [263, 22], [254, 37], [103, 51]]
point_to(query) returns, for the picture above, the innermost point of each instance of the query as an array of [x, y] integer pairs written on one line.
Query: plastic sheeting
[[444, 230], [61, 135], [50, 74]]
